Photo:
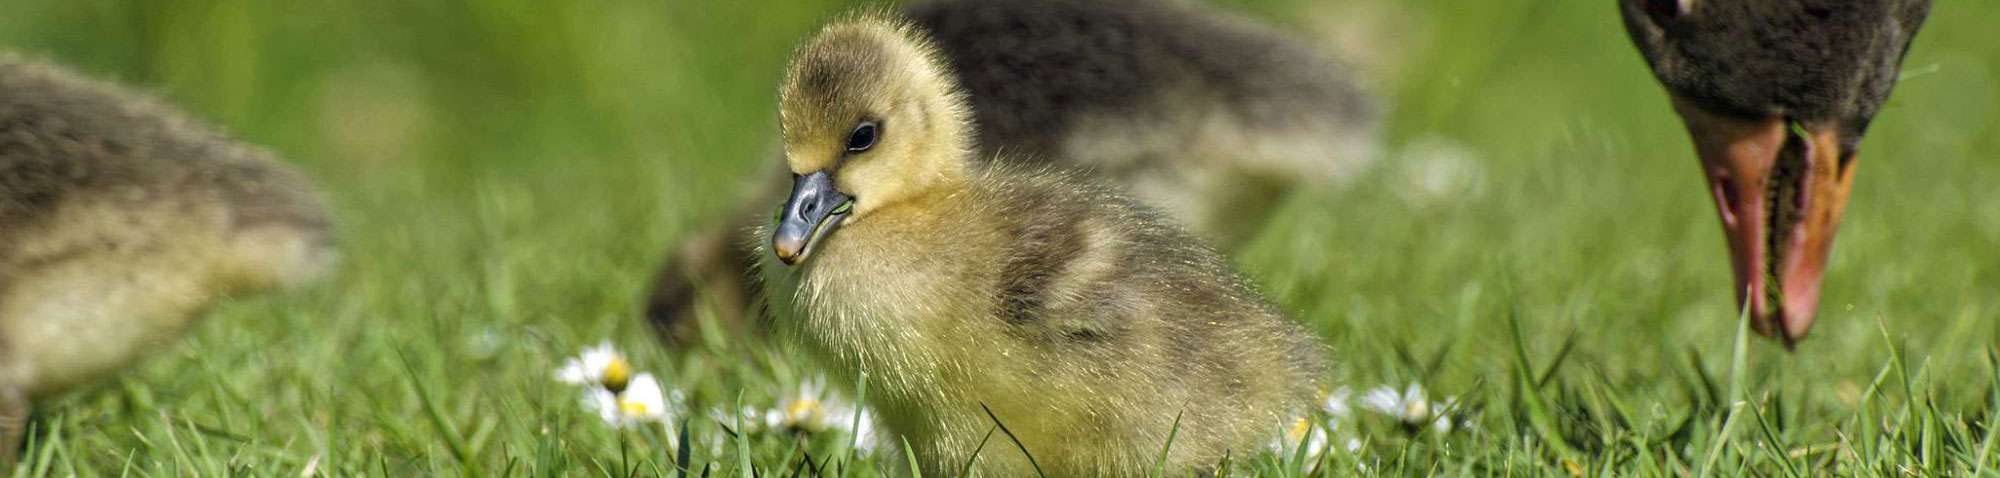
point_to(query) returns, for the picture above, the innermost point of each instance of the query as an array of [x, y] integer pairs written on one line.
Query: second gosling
[[121, 221], [1085, 322]]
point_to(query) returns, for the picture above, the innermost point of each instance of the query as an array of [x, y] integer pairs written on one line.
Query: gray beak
[[813, 211]]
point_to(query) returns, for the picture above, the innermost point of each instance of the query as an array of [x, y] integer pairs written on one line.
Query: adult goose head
[[1776, 95]]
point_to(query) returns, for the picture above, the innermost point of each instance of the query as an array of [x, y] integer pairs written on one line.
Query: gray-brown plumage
[[120, 221], [1777, 95], [1084, 321], [1202, 114]]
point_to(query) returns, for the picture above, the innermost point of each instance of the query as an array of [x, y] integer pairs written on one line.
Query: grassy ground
[[507, 173]]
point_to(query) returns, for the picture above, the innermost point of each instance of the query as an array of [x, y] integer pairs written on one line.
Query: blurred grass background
[[507, 174]]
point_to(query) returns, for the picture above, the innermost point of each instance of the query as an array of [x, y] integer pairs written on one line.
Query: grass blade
[[1992, 416], [967, 469], [742, 440], [1016, 440], [1735, 397], [1778, 450], [439, 420], [911, 456], [684, 451], [1160, 465], [1540, 418]]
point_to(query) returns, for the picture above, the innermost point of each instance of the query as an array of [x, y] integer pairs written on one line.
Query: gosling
[[1208, 116], [1085, 322], [120, 221]]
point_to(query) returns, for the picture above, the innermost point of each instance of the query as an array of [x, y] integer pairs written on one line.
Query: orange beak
[[1780, 191]]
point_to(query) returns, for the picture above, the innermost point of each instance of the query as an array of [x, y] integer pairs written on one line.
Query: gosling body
[[120, 221], [1199, 113], [1084, 322]]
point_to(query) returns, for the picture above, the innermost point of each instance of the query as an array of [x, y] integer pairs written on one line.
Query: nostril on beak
[[1725, 200]]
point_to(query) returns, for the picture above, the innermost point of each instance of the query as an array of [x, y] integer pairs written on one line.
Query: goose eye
[[863, 137]]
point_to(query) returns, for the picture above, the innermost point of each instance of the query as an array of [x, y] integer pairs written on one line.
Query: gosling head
[[872, 117]]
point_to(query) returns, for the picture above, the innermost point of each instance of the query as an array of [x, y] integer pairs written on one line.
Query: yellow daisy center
[[1299, 429], [617, 374], [632, 408], [801, 412]]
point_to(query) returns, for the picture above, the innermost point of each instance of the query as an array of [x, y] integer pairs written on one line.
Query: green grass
[[507, 174]]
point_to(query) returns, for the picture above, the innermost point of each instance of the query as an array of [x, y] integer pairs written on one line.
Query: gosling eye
[[863, 137]]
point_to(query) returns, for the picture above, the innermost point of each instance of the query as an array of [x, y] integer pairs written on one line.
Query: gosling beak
[[1780, 191], [814, 210]]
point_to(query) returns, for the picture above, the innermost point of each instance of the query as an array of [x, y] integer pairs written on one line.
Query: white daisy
[[863, 423], [810, 409], [641, 402], [602, 365], [1411, 406], [618, 396], [1335, 406], [1301, 434], [1336, 403]]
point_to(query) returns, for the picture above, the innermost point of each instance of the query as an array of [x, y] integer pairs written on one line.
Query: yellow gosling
[[1085, 322]]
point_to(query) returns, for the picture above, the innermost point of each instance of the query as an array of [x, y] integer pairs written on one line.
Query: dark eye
[[863, 137]]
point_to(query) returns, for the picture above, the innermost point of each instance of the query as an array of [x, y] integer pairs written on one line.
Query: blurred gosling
[[1085, 322], [120, 221]]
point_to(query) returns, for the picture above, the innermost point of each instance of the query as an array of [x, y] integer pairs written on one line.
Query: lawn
[[1537, 245]]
